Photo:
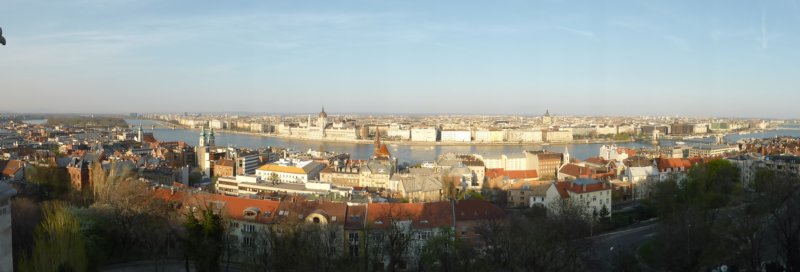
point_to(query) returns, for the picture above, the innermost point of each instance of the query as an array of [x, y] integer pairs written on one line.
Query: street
[[607, 244]]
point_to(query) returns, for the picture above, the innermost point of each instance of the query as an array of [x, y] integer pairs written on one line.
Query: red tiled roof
[[232, 207], [235, 207], [561, 187], [494, 172], [674, 163], [384, 152], [522, 174], [577, 171], [588, 188], [10, 168], [597, 160], [511, 174], [224, 162], [148, 138], [631, 152], [422, 215], [474, 210]]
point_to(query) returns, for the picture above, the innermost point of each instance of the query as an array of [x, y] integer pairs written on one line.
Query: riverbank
[[410, 143]]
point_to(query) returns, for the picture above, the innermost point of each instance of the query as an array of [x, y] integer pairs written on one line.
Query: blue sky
[[691, 58]]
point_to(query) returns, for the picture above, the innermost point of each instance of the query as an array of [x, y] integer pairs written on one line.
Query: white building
[[490, 136], [606, 129], [557, 136], [509, 163], [252, 185], [218, 124], [6, 254], [397, 132], [711, 150], [613, 153], [424, 134], [460, 136], [524, 136], [700, 128], [258, 127], [291, 171], [592, 194]]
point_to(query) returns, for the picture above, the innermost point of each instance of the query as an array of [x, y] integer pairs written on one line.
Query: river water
[[408, 153]]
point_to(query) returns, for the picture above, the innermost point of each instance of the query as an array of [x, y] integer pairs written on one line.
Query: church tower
[[656, 143], [140, 135], [202, 137], [566, 156], [547, 119], [211, 138], [377, 144]]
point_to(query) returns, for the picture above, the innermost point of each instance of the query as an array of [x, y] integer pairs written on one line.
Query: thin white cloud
[[574, 31], [679, 42]]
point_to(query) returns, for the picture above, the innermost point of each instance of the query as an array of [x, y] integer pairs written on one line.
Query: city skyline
[[632, 58]]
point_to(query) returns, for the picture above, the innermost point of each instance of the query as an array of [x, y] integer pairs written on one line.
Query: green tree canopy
[[58, 243]]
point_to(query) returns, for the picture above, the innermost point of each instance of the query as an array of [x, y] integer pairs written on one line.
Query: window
[[249, 228], [249, 241], [353, 237], [423, 235]]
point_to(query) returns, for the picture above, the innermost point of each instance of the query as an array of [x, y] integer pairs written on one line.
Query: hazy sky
[[695, 58]]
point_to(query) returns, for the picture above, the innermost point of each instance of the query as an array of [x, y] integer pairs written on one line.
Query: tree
[[26, 216], [783, 197], [707, 219], [131, 223], [274, 178], [105, 183], [389, 238], [538, 241], [711, 185], [446, 252], [204, 240], [53, 182], [604, 217], [58, 243]]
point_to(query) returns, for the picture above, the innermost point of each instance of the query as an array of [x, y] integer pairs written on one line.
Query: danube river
[[406, 153]]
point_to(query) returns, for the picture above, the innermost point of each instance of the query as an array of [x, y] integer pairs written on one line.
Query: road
[[607, 244]]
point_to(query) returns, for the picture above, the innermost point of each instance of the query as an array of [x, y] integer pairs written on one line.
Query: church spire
[[140, 134], [202, 136], [377, 144]]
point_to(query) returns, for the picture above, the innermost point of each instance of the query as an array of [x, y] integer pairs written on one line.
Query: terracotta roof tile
[[473, 210], [511, 174], [422, 215]]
